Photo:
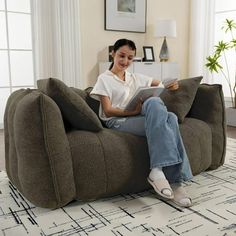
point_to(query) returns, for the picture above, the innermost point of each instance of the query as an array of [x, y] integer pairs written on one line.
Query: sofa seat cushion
[[197, 139], [104, 169], [180, 101], [73, 107]]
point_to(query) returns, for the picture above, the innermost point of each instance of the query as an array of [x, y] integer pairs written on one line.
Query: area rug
[[213, 212]]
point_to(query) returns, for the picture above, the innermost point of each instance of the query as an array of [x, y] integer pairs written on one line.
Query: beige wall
[[94, 39]]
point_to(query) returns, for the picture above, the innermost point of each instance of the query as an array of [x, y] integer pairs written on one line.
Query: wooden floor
[[231, 133]]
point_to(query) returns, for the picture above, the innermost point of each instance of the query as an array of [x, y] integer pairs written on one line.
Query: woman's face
[[123, 57]]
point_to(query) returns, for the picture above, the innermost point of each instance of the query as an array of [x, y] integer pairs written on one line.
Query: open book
[[168, 81], [143, 93]]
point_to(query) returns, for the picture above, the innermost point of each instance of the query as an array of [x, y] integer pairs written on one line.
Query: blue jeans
[[165, 144]]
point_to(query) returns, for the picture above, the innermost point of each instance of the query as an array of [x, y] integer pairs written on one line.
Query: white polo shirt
[[119, 91]]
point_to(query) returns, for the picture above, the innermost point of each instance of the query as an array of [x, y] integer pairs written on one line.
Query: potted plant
[[216, 61]]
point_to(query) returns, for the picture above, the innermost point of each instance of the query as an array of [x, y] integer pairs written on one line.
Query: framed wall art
[[125, 15], [148, 53]]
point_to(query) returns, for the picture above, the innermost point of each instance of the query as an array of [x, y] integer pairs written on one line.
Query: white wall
[[95, 40]]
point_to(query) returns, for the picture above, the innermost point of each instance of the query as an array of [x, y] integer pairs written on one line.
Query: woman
[[168, 160]]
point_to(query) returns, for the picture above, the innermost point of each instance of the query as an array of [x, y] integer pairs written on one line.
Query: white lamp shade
[[165, 28]]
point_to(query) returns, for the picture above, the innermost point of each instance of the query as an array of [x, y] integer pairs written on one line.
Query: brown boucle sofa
[[57, 149]]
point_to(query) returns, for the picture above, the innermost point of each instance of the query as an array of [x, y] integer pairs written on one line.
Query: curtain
[[201, 37], [56, 40]]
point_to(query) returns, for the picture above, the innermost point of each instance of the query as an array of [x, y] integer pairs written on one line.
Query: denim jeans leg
[[181, 172], [165, 144], [161, 138], [131, 124]]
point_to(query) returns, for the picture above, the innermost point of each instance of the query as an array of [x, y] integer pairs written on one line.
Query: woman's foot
[[160, 184], [162, 187], [181, 197]]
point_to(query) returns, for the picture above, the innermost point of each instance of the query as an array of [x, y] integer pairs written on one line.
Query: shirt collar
[[127, 76]]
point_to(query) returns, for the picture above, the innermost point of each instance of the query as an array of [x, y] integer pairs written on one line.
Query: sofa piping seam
[[223, 122], [104, 161], [55, 184]]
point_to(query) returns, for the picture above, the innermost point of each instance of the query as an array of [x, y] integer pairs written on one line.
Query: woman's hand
[[173, 86], [138, 108], [136, 111]]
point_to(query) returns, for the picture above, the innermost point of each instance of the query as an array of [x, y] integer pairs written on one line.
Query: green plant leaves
[[213, 64], [213, 61], [229, 25], [221, 47]]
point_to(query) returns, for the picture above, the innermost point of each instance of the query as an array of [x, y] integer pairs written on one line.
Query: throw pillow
[[93, 104], [73, 107], [180, 101]]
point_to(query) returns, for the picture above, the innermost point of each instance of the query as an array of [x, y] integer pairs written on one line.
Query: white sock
[[156, 173]]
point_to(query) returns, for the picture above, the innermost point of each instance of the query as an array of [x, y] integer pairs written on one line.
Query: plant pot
[[230, 116]]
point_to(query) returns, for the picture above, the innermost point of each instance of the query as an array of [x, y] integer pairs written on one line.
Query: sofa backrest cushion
[[180, 101], [73, 107], [209, 106]]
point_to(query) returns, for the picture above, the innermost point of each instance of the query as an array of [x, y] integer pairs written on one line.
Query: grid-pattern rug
[[213, 212]]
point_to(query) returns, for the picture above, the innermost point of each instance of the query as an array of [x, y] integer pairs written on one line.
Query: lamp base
[[164, 53], [163, 60]]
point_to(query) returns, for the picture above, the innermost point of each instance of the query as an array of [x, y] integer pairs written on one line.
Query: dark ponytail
[[112, 64], [120, 43]]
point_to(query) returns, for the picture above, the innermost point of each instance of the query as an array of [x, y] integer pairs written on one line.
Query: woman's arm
[[111, 111]]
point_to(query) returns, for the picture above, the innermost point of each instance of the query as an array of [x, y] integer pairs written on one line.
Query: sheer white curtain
[[201, 37], [56, 40]]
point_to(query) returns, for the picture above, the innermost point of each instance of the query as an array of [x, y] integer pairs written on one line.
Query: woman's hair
[[120, 43]]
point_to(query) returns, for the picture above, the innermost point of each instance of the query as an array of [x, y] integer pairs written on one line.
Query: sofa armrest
[[209, 107], [39, 158]]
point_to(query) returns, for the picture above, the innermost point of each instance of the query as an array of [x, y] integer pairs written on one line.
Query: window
[[16, 59], [225, 9]]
